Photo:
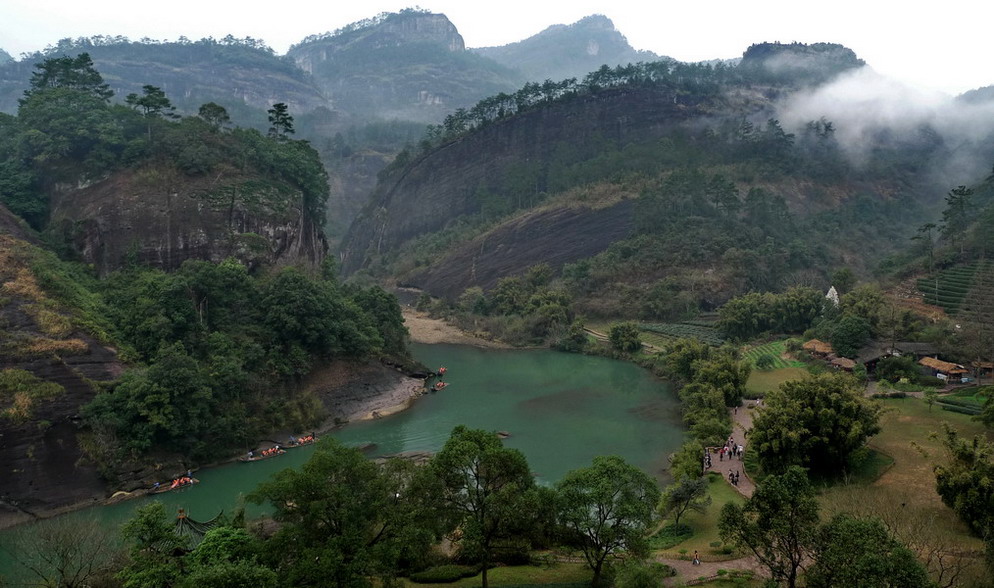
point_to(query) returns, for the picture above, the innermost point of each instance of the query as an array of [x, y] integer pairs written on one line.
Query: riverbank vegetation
[[216, 352], [221, 352]]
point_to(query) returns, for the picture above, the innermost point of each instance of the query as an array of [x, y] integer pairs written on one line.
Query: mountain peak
[[392, 29], [562, 51]]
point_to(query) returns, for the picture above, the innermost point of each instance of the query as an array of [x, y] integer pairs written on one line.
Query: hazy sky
[[942, 45]]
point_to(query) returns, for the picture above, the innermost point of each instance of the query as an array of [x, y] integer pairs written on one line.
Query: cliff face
[[565, 51], [394, 31], [409, 66], [164, 223], [425, 195], [50, 365], [554, 236]]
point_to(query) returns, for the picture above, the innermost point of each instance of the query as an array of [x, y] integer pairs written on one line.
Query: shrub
[[765, 361], [961, 409], [671, 535], [931, 381], [443, 574], [889, 395]]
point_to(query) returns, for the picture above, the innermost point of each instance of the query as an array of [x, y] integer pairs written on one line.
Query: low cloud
[[865, 106]]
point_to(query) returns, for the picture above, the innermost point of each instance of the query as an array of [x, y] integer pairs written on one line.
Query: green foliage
[[818, 422], [167, 404], [443, 574], [624, 337], [843, 279], [687, 462], [849, 335], [851, 551], [963, 481], [670, 536], [635, 574], [153, 548], [72, 73], [752, 314], [607, 508], [341, 518], [484, 487], [766, 361], [152, 103], [686, 330], [778, 524], [231, 575], [895, 368], [687, 493], [281, 123], [20, 391], [240, 337]]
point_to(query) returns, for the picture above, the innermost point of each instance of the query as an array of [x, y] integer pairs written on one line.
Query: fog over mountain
[[866, 107]]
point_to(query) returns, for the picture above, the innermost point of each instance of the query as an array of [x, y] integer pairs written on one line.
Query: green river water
[[561, 410]]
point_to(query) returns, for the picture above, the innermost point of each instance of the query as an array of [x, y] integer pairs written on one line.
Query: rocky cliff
[[443, 185], [51, 364], [162, 219], [553, 235], [566, 51], [411, 65]]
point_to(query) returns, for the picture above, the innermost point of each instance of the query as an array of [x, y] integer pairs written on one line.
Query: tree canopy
[[608, 507], [820, 423]]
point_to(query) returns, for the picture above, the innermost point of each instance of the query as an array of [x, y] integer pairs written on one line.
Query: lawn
[[705, 525], [904, 495], [762, 382], [548, 576]]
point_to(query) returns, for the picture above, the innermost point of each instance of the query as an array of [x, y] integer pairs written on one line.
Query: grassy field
[[705, 525], [551, 576], [763, 382], [904, 495]]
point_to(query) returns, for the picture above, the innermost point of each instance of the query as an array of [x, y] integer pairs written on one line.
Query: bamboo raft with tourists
[[274, 451]]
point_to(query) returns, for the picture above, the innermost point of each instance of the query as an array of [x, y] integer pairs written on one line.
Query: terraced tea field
[[774, 348], [660, 334], [950, 287]]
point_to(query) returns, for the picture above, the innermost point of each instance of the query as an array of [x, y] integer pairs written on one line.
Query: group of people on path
[[731, 450]]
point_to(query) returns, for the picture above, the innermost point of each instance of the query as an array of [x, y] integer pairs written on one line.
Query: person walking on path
[[741, 422]]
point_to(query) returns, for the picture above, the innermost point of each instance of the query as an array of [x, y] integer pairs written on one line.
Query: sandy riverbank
[[425, 329]]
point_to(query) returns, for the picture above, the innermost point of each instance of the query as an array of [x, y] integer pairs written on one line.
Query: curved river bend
[[561, 410]]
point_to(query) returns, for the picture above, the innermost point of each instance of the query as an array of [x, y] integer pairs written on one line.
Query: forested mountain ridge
[[568, 51], [658, 182], [243, 75]]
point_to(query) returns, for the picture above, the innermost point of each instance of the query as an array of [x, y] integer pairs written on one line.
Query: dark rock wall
[[425, 195], [554, 236], [110, 221]]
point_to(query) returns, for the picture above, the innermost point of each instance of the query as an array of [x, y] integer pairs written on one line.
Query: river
[[560, 409]]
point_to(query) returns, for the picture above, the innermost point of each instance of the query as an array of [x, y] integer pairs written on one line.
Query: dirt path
[[686, 571], [741, 424]]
